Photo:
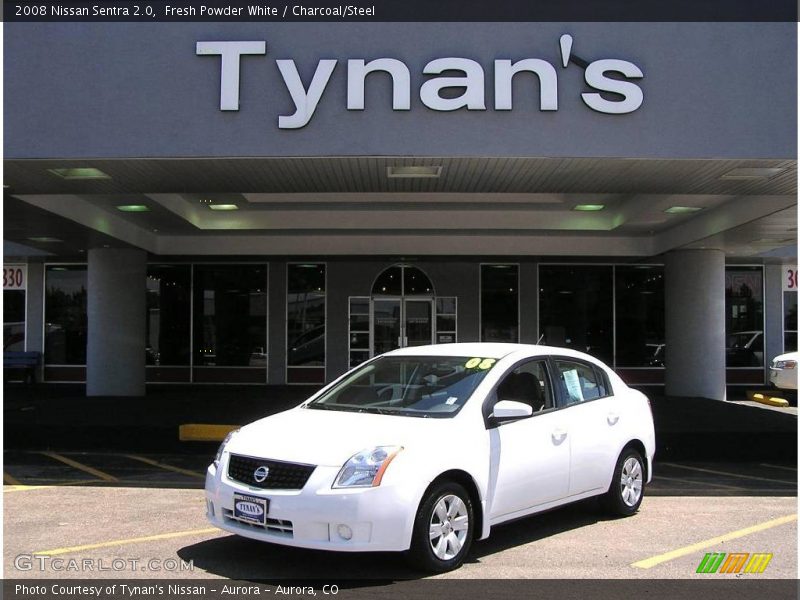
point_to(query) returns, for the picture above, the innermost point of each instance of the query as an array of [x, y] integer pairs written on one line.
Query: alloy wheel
[[631, 481], [449, 526]]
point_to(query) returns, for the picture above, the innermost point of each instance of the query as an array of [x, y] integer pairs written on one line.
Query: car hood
[[323, 437]]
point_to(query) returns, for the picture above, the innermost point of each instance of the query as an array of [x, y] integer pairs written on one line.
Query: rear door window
[[578, 382]]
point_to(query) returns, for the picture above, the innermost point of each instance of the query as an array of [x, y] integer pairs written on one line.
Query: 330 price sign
[[15, 277], [790, 282]]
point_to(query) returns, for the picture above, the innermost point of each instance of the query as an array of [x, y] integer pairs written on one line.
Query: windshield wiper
[[376, 410], [321, 406]]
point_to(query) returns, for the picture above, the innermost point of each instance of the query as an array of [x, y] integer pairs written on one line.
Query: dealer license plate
[[250, 509]]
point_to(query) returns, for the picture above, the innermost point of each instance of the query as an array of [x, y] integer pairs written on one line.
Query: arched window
[[403, 280]]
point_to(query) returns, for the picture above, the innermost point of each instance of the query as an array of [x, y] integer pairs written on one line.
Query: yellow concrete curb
[[200, 432], [767, 399]]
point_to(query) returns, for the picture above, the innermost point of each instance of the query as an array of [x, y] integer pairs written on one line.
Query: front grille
[[282, 475], [274, 526]]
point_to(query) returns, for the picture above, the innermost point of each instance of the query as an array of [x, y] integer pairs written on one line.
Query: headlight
[[366, 468], [785, 364], [221, 449]]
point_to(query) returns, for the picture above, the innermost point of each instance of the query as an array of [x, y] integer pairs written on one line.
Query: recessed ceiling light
[[766, 241], [133, 207], [44, 239], [223, 207], [752, 173], [80, 173], [589, 207], [682, 210], [413, 172]]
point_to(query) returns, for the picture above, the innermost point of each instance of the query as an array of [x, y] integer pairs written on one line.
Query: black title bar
[[156, 11]]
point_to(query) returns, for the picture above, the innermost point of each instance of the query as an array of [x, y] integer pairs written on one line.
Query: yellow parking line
[[727, 474], [26, 487], [85, 468], [8, 479], [667, 556], [166, 467], [122, 542]]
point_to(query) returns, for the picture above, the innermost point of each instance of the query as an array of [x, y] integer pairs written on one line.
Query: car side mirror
[[507, 410]]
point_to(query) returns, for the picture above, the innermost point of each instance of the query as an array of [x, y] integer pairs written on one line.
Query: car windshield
[[416, 386]]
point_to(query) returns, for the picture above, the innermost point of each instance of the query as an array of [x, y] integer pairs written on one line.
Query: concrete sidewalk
[[61, 417]]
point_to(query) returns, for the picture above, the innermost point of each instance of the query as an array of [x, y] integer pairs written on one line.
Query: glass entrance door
[[418, 322], [399, 322], [387, 331]]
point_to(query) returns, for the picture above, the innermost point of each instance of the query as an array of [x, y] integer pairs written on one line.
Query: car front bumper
[[379, 518], [784, 379]]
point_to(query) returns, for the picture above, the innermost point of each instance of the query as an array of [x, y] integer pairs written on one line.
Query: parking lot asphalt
[[147, 513]]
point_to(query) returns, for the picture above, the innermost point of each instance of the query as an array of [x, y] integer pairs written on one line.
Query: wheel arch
[[639, 446], [468, 483]]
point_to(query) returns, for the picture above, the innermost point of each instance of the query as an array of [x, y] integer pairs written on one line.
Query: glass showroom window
[[230, 315], [65, 315], [744, 319], [305, 317], [790, 321], [14, 320], [640, 315], [168, 315], [499, 303], [575, 308]]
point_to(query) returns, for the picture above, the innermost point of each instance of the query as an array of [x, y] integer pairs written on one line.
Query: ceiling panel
[[368, 174]]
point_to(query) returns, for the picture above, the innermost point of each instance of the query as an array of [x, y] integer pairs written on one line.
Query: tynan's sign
[[608, 75]]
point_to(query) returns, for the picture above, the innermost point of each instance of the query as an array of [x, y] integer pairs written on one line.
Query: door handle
[[612, 418], [558, 435]]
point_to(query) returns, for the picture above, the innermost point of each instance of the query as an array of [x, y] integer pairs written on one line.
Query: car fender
[[413, 470]]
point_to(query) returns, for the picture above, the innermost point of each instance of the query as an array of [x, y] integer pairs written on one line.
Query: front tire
[[626, 492], [443, 529]]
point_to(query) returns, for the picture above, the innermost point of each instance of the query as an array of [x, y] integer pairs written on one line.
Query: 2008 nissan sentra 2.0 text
[[423, 450]]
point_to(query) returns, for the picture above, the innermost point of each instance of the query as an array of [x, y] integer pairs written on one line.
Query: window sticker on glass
[[573, 385], [480, 363]]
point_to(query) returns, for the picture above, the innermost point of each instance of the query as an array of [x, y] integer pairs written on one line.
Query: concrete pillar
[[773, 312], [695, 323], [115, 349], [34, 312]]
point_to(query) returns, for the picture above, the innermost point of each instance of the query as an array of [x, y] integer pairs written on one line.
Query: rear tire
[[626, 492], [443, 529]]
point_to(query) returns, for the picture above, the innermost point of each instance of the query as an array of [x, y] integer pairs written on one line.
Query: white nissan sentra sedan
[[783, 371], [425, 449]]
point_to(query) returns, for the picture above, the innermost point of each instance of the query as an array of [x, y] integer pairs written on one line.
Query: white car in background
[[425, 449], [783, 371]]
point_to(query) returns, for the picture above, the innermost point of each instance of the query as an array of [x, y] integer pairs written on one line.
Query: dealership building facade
[[273, 203]]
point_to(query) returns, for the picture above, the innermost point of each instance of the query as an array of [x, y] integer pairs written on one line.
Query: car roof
[[483, 350]]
